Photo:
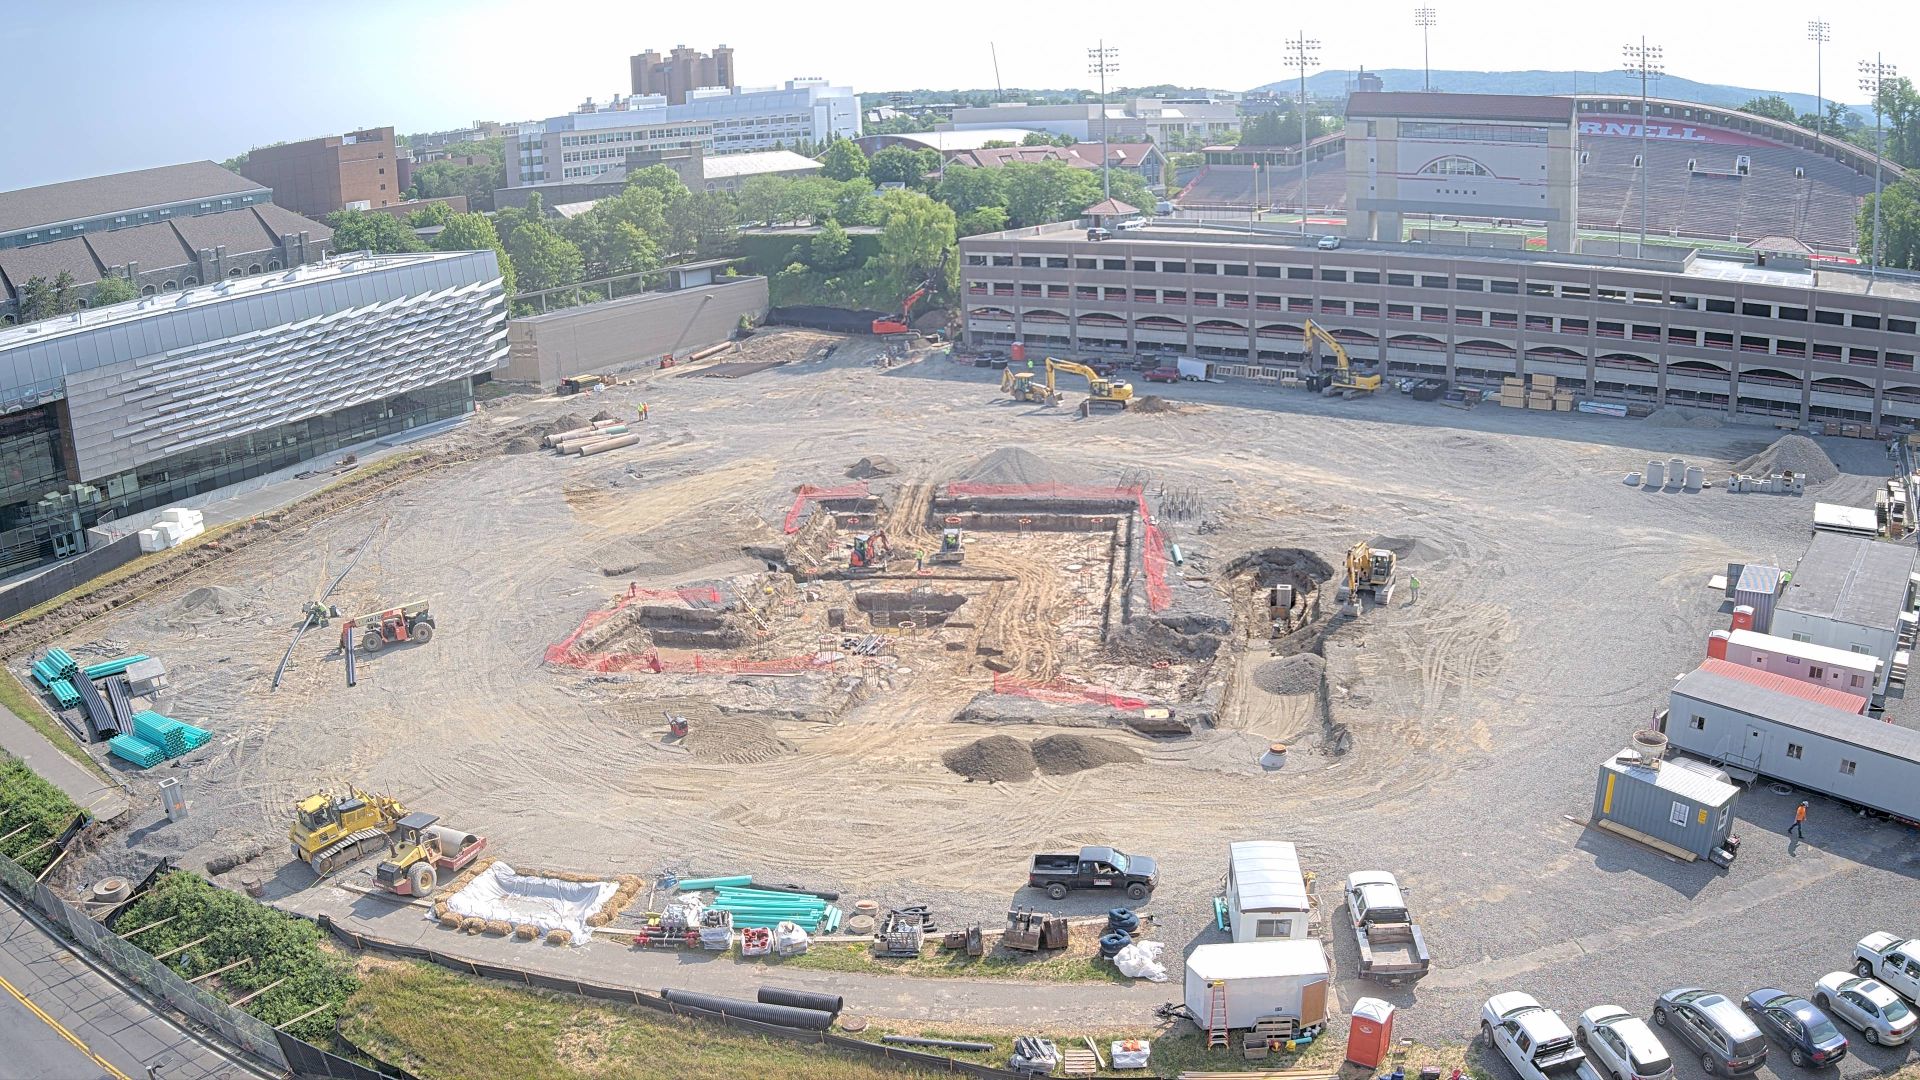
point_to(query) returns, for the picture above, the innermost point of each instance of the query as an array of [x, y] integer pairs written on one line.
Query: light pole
[[1643, 60], [1103, 62], [1302, 51], [1425, 18], [1819, 31], [1873, 75]]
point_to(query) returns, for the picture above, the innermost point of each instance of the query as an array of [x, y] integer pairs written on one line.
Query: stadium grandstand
[[1713, 174]]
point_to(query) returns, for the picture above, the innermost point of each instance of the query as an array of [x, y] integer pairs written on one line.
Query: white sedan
[[1877, 1011], [1623, 1045]]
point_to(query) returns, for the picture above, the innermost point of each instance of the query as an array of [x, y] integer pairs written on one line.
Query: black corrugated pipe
[[801, 999], [781, 1015], [829, 897]]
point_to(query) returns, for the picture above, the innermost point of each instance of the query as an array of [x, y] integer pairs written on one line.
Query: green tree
[[764, 200], [40, 298], [853, 203], [112, 289], [1048, 191], [703, 223], [986, 219], [843, 160], [661, 180], [1773, 107], [996, 144], [1037, 138], [429, 215], [915, 233], [1899, 225], [900, 165], [831, 249], [966, 189], [473, 232], [364, 230], [542, 258], [1131, 188]]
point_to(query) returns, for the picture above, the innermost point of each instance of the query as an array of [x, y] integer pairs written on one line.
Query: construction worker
[[920, 559], [1413, 590], [642, 411], [1798, 828]]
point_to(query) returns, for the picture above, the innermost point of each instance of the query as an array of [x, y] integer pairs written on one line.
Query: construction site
[[871, 624]]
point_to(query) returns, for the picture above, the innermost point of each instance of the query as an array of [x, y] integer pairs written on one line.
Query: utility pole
[[1103, 62], [1873, 75], [1425, 18], [1819, 31], [1643, 60], [1302, 51]]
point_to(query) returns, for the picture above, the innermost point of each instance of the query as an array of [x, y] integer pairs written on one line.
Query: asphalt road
[[62, 1020]]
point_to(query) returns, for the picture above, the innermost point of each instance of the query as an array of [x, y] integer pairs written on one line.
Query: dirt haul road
[[1456, 745]]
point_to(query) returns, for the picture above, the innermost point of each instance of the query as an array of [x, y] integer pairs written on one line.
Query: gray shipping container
[[1757, 588], [1733, 577], [1683, 805]]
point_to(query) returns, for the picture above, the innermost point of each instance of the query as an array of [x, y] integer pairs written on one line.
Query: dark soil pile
[[566, 422], [602, 415], [1290, 675], [1153, 403], [522, 444], [1000, 758], [1057, 755], [868, 468]]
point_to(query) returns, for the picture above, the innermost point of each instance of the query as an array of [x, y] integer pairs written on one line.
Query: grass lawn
[[21, 702], [1078, 962], [440, 1025]]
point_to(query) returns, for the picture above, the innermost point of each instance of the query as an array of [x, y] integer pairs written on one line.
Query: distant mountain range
[[1327, 84]]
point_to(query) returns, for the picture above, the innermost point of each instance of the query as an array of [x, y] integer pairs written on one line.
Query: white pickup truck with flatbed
[[1534, 1040], [1392, 949]]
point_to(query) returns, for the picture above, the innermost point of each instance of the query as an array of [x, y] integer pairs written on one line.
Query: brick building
[[681, 70], [319, 176]]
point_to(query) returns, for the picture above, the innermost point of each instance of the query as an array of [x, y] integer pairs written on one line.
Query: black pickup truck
[[1094, 868]]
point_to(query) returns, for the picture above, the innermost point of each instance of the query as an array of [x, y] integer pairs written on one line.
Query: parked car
[[1793, 1022], [1099, 234], [1621, 1044], [1714, 1027], [1328, 243], [1891, 959], [1533, 1039], [1868, 1005], [1131, 224], [1162, 374]]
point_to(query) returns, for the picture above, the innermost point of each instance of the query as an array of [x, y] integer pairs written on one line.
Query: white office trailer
[[1266, 896], [1849, 593], [1816, 665], [1248, 981], [1760, 725]]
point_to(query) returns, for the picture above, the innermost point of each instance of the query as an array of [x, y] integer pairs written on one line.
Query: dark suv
[[1810, 1038], [1728, 1043]]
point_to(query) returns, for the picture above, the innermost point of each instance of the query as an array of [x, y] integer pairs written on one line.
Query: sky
[[148, 84]]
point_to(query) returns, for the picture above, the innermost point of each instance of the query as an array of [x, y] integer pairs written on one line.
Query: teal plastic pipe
[[691, 884]]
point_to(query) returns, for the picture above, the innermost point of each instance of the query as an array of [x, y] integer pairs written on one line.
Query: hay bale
[[598, 918], [526, 931], [472, 924], [498, 927], [559, 937], [449, 920]]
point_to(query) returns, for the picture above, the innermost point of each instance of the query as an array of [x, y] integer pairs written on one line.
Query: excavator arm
[[1313, 335], [1099, 388]]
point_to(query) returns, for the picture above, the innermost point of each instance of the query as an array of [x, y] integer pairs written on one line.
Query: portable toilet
[[1370, 1032]]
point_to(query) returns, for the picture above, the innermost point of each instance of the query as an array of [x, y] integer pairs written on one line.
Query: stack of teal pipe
[[766, 908], [113, 667]]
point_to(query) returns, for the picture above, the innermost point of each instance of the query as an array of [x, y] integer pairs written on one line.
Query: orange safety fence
[[566, 652], [1058, 692], [808, 493]]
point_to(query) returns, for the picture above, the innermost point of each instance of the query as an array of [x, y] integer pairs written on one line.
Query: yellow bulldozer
[[330, 831], [1369, 570]]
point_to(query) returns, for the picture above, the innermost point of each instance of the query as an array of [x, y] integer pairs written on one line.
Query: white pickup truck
[[1533, 1039], [1392, 949], [1893, 960]]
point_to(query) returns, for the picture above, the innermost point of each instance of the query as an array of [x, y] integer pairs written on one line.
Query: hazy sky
[[100, 86]]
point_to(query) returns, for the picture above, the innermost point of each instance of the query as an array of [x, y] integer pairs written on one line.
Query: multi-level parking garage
[[1781, 339]]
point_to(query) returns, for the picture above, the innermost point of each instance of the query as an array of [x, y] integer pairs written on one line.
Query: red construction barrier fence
[[1059, 692], [808, 493]]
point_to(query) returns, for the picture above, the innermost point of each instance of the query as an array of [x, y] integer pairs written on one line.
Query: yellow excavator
[[1369, 570], [1100, 389], [1341, 379], [330, 831]]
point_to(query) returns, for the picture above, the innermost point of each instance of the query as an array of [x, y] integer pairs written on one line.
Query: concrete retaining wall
[[631, 330]]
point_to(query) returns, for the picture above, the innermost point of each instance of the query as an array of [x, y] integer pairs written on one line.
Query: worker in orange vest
[[643, 410], [1798, 828]]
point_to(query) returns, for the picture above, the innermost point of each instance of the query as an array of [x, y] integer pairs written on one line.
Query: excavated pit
[[921, 608]]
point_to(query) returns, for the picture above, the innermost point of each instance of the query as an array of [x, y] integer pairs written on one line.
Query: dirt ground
[[1453, 739]]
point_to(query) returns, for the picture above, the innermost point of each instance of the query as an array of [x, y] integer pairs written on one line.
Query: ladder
[[1216, 1015]]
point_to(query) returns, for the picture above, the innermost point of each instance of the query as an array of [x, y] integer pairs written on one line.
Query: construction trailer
[[1732, 717], [1802, 661], [1266, 894], [1677, 806], [1252, 980], [1849, 592]]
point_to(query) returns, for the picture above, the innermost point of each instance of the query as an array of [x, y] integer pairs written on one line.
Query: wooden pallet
[[1077, 1062]]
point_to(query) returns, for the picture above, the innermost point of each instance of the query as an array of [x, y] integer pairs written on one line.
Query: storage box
[[1543, 406], [1543, 382]]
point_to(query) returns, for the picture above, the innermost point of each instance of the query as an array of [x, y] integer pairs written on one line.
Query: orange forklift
[[411, 621]]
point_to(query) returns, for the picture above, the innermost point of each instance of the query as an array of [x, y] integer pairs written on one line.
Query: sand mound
[[1290, 675], [214, 600], [1153, 403], [1791, 453], [867, 468], [1000, 758], [602, 415], [521, 444], [1014, 465], [1060, 754], [1674, 417], [567, 422], [734, 740]]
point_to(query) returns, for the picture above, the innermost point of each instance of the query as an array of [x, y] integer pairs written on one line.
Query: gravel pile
[[603, 415], [1057, 755], [566, 422], [1014, 465], [1000, 758], [521, 444], [1791, 453], [1153, 403], [868, 468], [1290, 675]]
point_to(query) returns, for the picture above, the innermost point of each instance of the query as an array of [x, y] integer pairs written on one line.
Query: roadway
[[63, 1020]]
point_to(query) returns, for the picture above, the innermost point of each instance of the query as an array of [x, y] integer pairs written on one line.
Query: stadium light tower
[[1819, 31], [1425, 18], [1104, 61], [1301, 52], [1643, 60], [1874, 74]]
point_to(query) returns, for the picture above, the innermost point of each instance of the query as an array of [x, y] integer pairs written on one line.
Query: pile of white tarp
[[1141, 960], [499, 894]]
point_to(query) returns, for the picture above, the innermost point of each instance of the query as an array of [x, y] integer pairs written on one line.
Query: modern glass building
[[119, 410]]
